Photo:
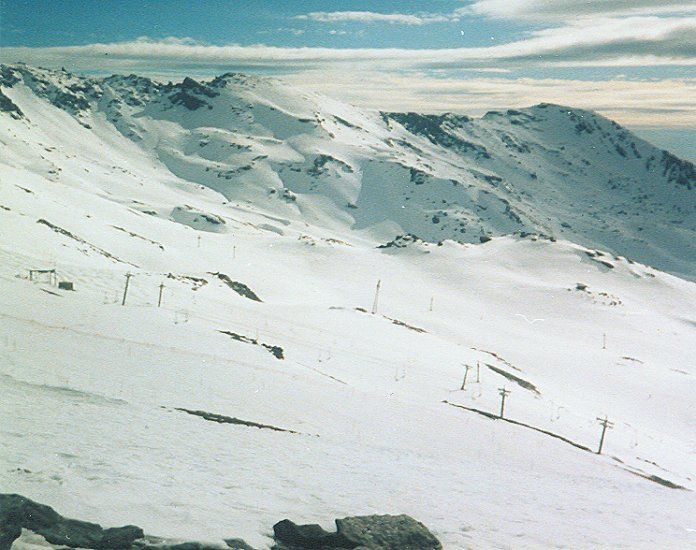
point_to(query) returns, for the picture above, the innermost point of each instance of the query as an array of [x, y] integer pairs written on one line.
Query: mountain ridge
[[270, 259], [546, 169]]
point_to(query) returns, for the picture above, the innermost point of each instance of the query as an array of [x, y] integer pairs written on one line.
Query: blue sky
[[632, 60], [51, 23]]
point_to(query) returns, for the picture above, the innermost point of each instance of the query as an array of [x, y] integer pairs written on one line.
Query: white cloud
[[620, 42], [669, 102], [555, 11], [375, 17], [371, 75], [350, 75], [283, 30], [567, 10], [606, 39]]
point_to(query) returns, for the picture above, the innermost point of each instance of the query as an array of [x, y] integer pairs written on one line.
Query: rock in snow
[[366, 532], [18, 512], [547, 169], [284, 260]]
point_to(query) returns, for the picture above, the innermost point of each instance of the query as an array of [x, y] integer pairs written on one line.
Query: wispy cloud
[[668, 102], [284, 30], [576, 33], [423, 87], [626, 42], [567, 10], [549, 11], [376, 17]]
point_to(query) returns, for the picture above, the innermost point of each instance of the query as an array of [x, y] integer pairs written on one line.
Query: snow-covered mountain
[[254, 223], [549, 170]]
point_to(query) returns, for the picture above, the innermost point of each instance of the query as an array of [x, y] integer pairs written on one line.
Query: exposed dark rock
[[386, 532], [288, 196], [320, 161], [654, 478], [678, 171], [80, 240], [188, 92], [402, 241], [70, 102], [189, 101], [196, 282], [438, 129], [9, 532], [291, 535], [8, 106], [405, 325], [138, 236], [237, 544], [191, 85], [364, 532], [418, 177], [361, 532], [17, 512], [8, 76], [346, 123], [120, 537], [511, 143], [239, 288], [276, 351], [516, 379], [517, 423], [222, 419]]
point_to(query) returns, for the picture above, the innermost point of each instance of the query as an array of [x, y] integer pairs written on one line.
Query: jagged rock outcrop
[[18, 512], [547, 169], [376, 532], [361, 532]]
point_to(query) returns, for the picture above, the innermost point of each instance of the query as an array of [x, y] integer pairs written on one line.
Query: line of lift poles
[[125, 291], [503, 392]]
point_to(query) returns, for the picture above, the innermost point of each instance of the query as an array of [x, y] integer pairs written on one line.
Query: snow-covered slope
[[268, 286], [549, 169]]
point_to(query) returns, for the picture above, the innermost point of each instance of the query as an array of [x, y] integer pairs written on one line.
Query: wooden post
[[432, 299], [604, 341], [199, 241], [478, 372], [125, 290], [605, 424], [375, 303], [159, 299], [466, 373], [503, 394]]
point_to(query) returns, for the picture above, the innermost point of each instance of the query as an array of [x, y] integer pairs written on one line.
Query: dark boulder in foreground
[[397, 532], [291, 535], [18, 512], [359, 533], [363, 532]]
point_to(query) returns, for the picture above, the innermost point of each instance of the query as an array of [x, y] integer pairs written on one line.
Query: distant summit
[[547, 169]]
